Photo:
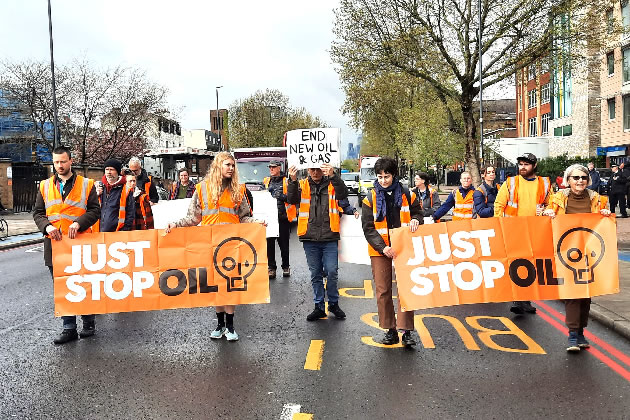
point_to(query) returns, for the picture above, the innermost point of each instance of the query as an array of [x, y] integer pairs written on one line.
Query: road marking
[[592, 337], [367, 291], [6, 330], [302, 416], [39, 248], [598, 354], [314, 355], [289, 410]]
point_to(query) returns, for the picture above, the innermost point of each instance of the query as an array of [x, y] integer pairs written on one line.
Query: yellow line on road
[[302, 416], [314, 355]]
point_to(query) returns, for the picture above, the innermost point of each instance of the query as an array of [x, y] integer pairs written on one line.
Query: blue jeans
[[322, 256], [70, 321]]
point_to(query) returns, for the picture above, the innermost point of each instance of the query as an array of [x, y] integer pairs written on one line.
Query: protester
[[318, 230], [66, 204], [118, 206], [523, 195], [486, 193], [389, 206], [144, 181], [617, 191], [427, 195], [276, 183], [144, 215], [577, 199], [625, 172], [184, 188], [219, 199], [461, 200], [595, 178]]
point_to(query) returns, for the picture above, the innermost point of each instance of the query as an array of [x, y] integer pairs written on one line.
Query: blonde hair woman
[[219, 199]]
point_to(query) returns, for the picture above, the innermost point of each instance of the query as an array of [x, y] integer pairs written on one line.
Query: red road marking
[[598, 354], [592, 337]]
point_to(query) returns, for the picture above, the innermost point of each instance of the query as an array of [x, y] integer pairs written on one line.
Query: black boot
[[66, 336], [89, 329], [336, 310], [318, 313], [407, 339], [391, 337]]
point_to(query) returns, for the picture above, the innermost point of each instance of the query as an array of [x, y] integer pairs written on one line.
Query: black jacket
[[141, 180], [276, 190], [90, 217], [318, 219], [617, 183], [110, 204], [484, 205]]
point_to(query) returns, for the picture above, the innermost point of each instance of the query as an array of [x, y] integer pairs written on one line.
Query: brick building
[[533, 101]]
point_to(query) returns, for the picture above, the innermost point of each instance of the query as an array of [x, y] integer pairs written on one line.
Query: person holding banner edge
[[523, 195], [276, 184], [389, 205], [66, 204], [318, 230], [574, 200], [219, 199]]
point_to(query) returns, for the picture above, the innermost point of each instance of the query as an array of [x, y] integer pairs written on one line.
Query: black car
[[604, 176]]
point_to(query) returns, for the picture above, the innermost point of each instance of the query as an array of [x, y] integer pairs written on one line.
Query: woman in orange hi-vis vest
[[219, 199], [389, 206], [577, 199]]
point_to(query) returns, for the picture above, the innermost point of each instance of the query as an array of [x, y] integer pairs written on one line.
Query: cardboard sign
[[309, 148], [353, 247], [145, 270], [266, 208], [166, 211], [506, 259]]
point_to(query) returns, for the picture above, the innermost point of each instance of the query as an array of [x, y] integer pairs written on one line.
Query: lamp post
[[480, 83], [52, 70], [218, 120]]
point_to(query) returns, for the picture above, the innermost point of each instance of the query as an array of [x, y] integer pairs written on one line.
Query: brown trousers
[[577, 313], [382, 273]]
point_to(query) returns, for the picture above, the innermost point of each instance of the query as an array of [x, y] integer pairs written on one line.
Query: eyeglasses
[[578, 177]]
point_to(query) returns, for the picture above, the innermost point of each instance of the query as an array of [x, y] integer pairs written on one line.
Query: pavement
[[613, 311]]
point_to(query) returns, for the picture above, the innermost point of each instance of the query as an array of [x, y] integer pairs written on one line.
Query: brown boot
[[272, 273]]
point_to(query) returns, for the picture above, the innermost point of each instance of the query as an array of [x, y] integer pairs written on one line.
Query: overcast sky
[[191, 46]]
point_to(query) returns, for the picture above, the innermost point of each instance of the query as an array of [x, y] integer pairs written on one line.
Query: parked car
[[351, 179], [604, 176]]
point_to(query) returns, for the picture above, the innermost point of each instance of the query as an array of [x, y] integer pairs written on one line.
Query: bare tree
[[438, 41]]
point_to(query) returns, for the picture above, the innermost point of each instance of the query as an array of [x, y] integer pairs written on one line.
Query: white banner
[[266, 208], [166, 211], [353, 248], [309, 148]]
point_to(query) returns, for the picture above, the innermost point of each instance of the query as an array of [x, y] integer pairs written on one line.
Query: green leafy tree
[[350, 164]]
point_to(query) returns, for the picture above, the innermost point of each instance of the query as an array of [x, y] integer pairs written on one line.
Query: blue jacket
[[595, 181], [485, 208], [110, 204], [450, 203]]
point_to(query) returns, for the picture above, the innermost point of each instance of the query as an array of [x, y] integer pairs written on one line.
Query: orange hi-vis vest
[[511, 208], [62, 213], [147, 185], [291, 208], [305, 208], [463, 205], [381, 227], [122, 210], [222, 213]]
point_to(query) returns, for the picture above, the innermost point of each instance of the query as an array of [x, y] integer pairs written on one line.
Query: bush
[[555, 166]]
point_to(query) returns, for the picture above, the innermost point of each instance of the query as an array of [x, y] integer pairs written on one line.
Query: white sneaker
[[218, 333], [231, 336]]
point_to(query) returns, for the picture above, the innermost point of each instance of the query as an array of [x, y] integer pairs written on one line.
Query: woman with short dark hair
[[427, 195]]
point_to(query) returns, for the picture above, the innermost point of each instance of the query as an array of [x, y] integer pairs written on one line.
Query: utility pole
[[218, 119], [52, 71], [480, 84]]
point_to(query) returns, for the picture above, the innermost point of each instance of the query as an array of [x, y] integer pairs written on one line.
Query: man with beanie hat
[[118, 207]]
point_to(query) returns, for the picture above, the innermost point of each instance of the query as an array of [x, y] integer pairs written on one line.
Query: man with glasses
[[523, 195], [143, 180]]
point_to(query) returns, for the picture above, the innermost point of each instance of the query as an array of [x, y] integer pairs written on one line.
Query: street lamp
[[480, 83], [52, 70], [218, 121]]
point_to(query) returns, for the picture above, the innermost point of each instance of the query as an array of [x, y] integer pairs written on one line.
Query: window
[[545, 93], [610, 21], [557, 132], [626, 112], [544, 66], [625, 15], [531, 70], [626, 65], [532, 127], [610, 59], [544, 124], [611, 109], [566, 130], [532, 98]]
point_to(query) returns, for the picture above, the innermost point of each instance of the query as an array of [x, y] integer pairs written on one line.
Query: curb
[[610, 319], [21, 243]]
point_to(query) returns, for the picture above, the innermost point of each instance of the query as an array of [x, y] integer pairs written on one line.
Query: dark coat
[[617, 183], [175, 189], [90, 217], [141, 180], [110, 204], [276, 190], [484, 205], [318, 221], [595, 180], [427, 209]]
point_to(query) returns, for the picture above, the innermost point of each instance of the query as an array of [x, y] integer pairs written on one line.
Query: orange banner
[[506, 259], [147, 270]]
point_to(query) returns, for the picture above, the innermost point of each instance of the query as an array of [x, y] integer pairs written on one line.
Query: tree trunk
[[471, 157]]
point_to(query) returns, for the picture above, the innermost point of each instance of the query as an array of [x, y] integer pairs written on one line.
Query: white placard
[[266, 208], [309, 148], [166, 211], [353, 248]]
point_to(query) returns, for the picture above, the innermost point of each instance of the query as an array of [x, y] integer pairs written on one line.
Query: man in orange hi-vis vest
[[318, 229], [66, 204], [460, 200], [276, 183], [523, 195]]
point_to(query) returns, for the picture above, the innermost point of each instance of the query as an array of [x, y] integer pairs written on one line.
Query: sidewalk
[[610, 310]]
